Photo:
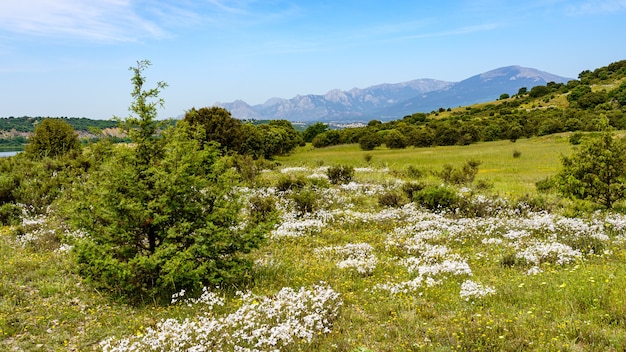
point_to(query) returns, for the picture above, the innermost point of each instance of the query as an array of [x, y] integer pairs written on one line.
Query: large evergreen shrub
[[596, 172], [52, 138], [340, 174], [160, 215]]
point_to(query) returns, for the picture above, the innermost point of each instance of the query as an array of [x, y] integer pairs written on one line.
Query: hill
[[392, 101], [596, 99]]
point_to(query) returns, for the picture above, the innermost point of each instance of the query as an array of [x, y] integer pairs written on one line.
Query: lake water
[[7, 154]]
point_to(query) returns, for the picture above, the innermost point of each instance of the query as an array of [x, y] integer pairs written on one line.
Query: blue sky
[[71, 57]]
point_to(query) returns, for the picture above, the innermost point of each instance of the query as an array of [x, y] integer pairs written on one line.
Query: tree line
[[28, 123]]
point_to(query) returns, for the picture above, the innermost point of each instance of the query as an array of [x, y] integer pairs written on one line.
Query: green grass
[[577, 306], [540, 158]]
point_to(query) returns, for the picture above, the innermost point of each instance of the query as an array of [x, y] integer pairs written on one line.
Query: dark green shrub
[[596, 172], [483, 185], [219, 126], [318, 182], [52, 138], [437, 198], [576, 138], [545, 184], [290, 183], [414, 172], [171, 226], [262, 209], [326, 139], [306, 200], [313, 130], [37, 183], [411, 188], [391, 199], [394, 139], [517, 154], [370, 140], [340, 174], [10, 214], [8, 182], [459, 176], [248, 167]]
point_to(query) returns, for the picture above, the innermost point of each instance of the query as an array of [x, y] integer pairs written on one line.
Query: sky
[[71, 57]]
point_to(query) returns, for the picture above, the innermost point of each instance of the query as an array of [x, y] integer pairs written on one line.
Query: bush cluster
[[340, 174], [277, 137], [290, 183], [437, 198], [391, 199], [459, 176]]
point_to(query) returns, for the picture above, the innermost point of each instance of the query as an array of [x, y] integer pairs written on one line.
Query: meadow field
[[358, 266]]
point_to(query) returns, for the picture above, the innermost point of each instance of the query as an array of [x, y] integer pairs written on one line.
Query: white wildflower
[[471, 289], [359, 256]]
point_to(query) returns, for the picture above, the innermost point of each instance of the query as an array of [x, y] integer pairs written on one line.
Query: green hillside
[[579, 105]]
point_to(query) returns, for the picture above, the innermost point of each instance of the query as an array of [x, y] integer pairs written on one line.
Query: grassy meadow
[[539, 158], [353, 273]]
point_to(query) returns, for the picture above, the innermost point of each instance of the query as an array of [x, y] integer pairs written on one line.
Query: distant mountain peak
[[394, 100], [516, 72]]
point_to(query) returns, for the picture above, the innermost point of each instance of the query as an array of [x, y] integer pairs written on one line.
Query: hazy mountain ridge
[[392, 101]]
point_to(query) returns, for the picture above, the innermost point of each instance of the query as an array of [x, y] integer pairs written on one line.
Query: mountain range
[[393, 101]]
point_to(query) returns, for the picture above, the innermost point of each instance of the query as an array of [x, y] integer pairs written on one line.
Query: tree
[[515, 132], [394, 139], [422, 137], [142, 126], [326, 139], [578, 92], [592, 99], [278, 137], [370, 140], [538, 91], [52, 138], [596, 172], [160, 216], [313, 130], [219, 126], [294, 138], [253, 144]]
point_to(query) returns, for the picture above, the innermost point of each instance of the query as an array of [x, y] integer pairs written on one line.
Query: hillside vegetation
[[578, 105], [178, 243]]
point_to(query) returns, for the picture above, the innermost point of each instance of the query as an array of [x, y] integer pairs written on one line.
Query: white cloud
[[457, 31], [102, 20], [130, 20], [597, 6]]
